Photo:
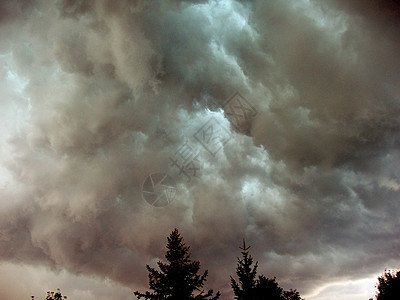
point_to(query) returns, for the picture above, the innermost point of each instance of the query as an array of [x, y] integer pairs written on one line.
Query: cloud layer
[[97, 95]]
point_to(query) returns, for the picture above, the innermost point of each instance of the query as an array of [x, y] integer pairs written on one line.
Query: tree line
[[179, 279]]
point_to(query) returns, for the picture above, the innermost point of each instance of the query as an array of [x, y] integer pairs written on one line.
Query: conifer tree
[[246, 273], [177, 279], [251, 287]]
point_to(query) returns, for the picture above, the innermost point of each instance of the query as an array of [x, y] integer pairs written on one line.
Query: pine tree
[[251, 287], [245, 289], [177, 279]]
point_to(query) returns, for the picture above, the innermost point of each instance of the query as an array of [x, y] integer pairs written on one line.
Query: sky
[[273, 121]]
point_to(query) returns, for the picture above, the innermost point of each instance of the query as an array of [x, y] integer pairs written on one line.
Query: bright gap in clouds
[[33, 280], [362, 289]]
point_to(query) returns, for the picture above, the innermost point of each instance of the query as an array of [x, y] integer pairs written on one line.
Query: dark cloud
[[98, 95], [386, 12]]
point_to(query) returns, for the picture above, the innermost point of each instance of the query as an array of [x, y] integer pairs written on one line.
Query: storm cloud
[[97, 95]]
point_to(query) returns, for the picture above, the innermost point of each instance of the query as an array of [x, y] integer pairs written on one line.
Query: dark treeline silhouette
[[53, 296], [389, 286], [178, 279]]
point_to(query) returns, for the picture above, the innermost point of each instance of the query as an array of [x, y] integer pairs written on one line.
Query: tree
[[268, 288], [245, 289], [177, 279], [389, 286], [53, 295], [291, 295], [251, 287]]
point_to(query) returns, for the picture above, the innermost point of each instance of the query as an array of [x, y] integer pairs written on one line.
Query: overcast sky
[[274, 121]]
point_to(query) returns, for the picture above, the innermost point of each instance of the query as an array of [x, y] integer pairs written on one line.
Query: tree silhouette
[[291, 295], [245, 289], [177, 279], [268, 288], [250, 287], [389, 286], [53, 296]]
